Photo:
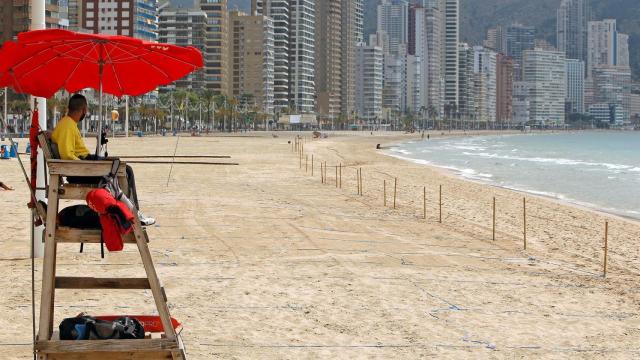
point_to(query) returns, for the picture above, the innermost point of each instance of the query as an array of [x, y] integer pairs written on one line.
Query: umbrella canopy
[[41, 62]]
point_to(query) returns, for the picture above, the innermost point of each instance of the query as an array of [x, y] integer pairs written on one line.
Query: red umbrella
[[41, 62]]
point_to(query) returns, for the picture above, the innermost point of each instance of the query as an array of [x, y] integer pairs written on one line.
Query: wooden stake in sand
[[340, 172], [306, 163], [321, 172], [424, 202], [395, 191], [440, 204], [384, 192], [360, 179], [336, 176], [494, 219], [325, 172], [524, 221], [606, 247], [311, 164]]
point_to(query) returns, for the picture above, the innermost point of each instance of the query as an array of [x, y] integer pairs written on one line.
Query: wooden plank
[[180, 162], [157, 355], [71, 235], [49, 263], [82, 168], [80, 191], [71, 282], [45, 146], [115, 345]]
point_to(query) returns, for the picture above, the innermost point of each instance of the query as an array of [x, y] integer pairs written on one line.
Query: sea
[[600, 170]]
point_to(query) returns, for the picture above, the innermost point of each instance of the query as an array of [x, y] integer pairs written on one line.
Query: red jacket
[[115, 217]]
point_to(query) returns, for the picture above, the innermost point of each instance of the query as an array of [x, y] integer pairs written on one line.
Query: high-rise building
[[295, 52], [278, 10], [184, 27], [413, 83], [484, 70], [495, 39], [634, 105], [622, 50], [369, 80], [575, 86], [338, 31], [352, 34], [519, 38], [545, 73], [135, 18], [329, 57], [572, 28], [216, 48], [251, 59], [393, 19], [606, 46], [466, 80], [394, 94], [504, 88], [302, 92], [424, 42], [521, 103], [15, 17], [451, 34], [612, 86]]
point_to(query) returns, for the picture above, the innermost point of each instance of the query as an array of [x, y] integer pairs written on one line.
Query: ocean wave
[[556, 161]]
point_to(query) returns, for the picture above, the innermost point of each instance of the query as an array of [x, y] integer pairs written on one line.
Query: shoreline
[[456, 173]]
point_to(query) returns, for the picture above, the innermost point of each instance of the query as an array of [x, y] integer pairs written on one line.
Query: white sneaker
[[145, 221]]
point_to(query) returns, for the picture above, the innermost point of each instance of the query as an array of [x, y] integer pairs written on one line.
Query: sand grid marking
[[262, 261]]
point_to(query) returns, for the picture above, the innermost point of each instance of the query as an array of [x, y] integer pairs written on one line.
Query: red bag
[[115, 218]]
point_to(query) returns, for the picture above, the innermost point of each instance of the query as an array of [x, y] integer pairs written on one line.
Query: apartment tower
[[184, 27], [572, 28], [545, 73], [216, 47], [278, 11], [251, 60]]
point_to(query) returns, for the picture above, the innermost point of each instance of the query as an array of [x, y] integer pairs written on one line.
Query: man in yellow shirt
[[66, 134], [67, 137]]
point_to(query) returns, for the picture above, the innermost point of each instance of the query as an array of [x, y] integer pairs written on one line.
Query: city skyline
[[301, 57]]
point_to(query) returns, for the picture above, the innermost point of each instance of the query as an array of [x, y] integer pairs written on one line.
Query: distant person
[[71, 147]]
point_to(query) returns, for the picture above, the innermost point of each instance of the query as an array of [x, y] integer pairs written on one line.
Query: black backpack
[[90, 328]]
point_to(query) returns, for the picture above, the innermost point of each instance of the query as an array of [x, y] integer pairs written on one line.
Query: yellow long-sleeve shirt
[[67, 136]]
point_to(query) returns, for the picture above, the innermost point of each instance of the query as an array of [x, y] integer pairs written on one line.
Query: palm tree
[[207, 97]]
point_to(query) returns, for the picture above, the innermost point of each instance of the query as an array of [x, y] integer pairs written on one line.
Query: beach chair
[[166, 345]]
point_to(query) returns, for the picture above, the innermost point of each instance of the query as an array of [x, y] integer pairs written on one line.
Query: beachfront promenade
[[264, 261]]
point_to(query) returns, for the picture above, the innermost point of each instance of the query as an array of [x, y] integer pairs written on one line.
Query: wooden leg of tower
[[154, 282], [49, 264]]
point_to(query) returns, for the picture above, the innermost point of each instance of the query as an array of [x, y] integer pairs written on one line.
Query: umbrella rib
[[64, 85], [164, 54], [31, 57], [146, 61], [115, 74], [41, 65]]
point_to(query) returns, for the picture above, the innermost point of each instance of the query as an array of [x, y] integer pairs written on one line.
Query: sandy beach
[[263, 261]]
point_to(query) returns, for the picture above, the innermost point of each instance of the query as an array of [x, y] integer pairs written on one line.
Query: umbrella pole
[[99, 137]]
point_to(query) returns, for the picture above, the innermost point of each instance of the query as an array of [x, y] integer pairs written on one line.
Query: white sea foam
[[556, 161]]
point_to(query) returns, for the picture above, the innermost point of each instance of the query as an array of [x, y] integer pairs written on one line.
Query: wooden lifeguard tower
[[48, 346]]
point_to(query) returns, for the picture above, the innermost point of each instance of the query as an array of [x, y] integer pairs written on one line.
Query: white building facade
[[545, 73]]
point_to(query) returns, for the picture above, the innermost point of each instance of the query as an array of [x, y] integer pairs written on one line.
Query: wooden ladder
[[48, 346]]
